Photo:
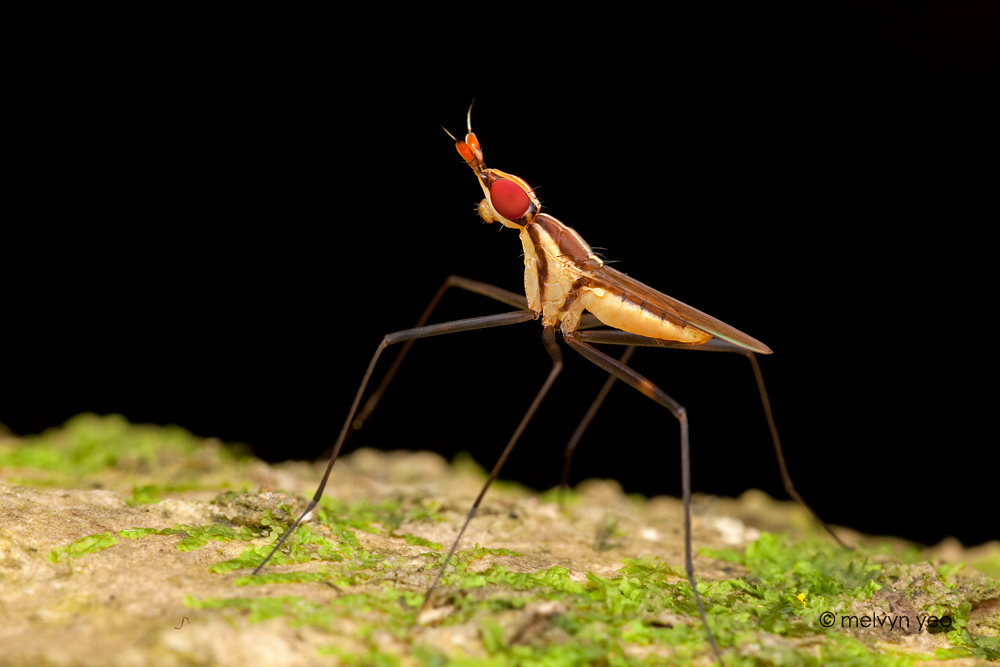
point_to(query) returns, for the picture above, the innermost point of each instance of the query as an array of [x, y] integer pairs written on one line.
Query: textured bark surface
[[129, 604]]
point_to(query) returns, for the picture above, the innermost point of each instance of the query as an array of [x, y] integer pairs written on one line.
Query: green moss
[[144, 495], [559, 496], [83, 546], [419, 541], [644, 615], [193, 537], [988, 563], [770, 612], [91, 450]]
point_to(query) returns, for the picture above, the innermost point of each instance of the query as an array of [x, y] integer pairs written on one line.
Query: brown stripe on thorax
[[571, 245], [560, 269], [541, 260], [574, 292]]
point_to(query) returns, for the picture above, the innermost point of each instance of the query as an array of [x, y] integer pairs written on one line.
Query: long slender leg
[[552, 347], [474, 286], [786, 479], [585, 422], [718, 345], [470, 324], [485, 289], [647, 388]]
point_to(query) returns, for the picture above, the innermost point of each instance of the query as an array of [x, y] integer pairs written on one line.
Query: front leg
[[471, 324], [474, 286]]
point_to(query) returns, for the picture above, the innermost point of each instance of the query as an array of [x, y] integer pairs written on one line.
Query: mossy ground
[[133, 545]]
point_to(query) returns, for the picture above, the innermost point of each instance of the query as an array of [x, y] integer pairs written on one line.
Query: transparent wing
[[619, 281]]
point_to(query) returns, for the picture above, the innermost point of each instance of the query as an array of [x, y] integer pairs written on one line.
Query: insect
[[571, 290]]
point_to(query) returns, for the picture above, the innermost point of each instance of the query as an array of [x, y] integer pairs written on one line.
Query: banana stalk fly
[[562, 279]]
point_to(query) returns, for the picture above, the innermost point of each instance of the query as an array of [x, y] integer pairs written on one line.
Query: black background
[[214, 226]]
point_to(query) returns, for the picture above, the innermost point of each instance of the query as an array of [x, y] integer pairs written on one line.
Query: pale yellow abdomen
[[638, 317]]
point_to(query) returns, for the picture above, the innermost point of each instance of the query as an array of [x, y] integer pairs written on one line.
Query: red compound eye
[[509, 199]]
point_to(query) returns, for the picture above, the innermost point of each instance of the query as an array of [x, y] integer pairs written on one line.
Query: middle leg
[[622, 372]]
